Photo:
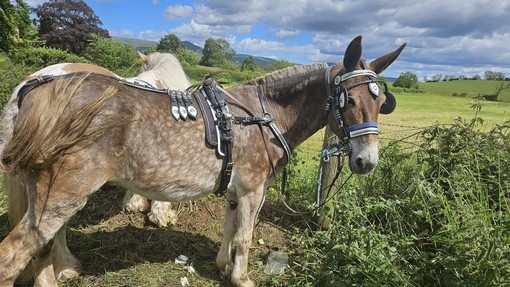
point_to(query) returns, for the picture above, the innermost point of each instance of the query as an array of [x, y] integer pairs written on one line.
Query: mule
[[160, 70], [74, 134]]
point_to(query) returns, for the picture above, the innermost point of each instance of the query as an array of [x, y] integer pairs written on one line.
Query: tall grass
[[433, 215]]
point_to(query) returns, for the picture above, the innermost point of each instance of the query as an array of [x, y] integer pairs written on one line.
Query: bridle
[[338, 100]]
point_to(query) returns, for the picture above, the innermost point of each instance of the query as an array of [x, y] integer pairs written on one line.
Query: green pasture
[[421, 110], [471, 88], [415, 112]]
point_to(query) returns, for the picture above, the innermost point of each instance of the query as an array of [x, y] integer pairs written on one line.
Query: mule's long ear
[[352, 54], [380, 64], [144, 57]]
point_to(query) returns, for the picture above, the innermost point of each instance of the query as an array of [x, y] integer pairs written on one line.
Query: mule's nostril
[[360, 163], [364, 165]]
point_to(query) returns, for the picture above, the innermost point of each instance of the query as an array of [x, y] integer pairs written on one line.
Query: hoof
[[68, 274], [66, 266], [162, 213], [242, 282], [135, 203]]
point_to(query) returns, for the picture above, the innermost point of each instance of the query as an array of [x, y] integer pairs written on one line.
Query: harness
[[224, 121]]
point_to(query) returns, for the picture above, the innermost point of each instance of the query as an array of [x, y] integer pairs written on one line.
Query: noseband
[[337, 102]]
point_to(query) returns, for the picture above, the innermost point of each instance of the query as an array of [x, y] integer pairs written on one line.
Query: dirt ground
[[122, 249]]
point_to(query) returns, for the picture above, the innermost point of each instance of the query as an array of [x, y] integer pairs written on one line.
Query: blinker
[[374, 88], [389, 105]]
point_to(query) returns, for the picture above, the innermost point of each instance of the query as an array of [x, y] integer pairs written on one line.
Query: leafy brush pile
[[433, 215]]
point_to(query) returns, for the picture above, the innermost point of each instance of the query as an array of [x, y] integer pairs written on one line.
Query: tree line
[[73, 27], [487, 75]]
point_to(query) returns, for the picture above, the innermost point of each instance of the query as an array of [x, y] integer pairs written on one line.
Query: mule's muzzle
[[364, 155], [362, 165]]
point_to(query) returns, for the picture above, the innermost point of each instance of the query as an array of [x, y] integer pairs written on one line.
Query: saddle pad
[[209, 122]]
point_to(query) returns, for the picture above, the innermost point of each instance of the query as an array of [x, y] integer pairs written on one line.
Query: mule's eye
[[350, 101]]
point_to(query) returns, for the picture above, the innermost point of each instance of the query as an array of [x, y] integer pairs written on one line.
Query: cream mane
[[164, 70]]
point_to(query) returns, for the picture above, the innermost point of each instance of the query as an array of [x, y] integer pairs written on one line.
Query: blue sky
[[444, 36]]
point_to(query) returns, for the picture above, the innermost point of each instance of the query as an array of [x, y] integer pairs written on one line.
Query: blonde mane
[[163, 70]]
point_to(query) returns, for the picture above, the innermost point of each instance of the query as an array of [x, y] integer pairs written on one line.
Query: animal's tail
[[49, 125], [65, 265], [17, 206]]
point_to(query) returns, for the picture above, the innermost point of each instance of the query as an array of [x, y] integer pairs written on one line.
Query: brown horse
[[74, 134], [161, 70]]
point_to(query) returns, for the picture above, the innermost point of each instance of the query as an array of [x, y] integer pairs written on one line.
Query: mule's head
[[356, 97]]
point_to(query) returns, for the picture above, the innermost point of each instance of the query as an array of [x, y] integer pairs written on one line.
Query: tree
[[68, 25], [188, 58], [113, 55], [280, 64], [170, 44], [216, 52], [491, 75], [406, 80], [15, 25], [437, 77], [494, 97], [249, 64]]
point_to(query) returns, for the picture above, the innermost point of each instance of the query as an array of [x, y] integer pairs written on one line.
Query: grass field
[[118, 249], [421, 110], [471, 88]]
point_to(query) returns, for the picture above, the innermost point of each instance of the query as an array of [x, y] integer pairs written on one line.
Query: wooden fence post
[[327, 170]]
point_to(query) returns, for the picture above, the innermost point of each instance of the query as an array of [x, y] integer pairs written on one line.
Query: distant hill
[[192, 47], [138, 44], [261, 61], [144, 45]]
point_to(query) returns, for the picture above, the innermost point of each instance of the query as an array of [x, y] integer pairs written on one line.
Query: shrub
[[12, 75], [113, 55], [436, 215], [40, 57], [229, 76]]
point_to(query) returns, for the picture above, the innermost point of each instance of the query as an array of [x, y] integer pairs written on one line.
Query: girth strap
[[224, 120]]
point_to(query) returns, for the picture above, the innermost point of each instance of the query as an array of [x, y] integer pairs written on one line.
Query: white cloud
[[259, 45], [34, 3], [126, 33], [446, 36], [177, 11], [151, 35], [282, 34]]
